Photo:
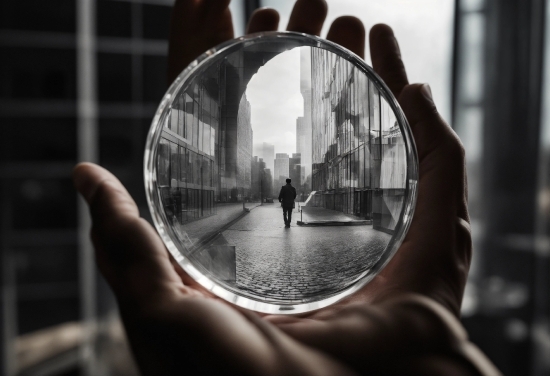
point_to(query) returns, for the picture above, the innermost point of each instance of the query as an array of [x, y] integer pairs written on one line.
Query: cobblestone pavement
[[298, 262]]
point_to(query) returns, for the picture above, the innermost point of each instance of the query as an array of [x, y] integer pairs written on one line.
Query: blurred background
[[81, 79]]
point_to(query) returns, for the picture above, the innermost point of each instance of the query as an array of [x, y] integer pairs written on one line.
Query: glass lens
[[280, 172]]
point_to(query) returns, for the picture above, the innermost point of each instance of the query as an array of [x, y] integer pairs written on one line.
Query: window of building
[[156, 21], [118, 142], [39, 15], [114, 77], [154, 78], [36, 200], [52, 312], [23, 78], [45, 139], [107, 11]]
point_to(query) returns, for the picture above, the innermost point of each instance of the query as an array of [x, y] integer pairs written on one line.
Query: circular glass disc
[[233, 128]]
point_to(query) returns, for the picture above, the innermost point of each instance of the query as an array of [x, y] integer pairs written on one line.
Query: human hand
[[399, 323], [405, 320], [198, 25]]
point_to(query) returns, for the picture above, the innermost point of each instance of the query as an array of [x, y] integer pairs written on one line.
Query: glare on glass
[[280, 172]]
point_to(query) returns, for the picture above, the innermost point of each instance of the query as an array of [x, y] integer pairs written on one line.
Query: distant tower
[[281, 169], [268, 155], [295, 169]]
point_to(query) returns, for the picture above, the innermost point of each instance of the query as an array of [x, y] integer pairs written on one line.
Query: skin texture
[[405, 322]]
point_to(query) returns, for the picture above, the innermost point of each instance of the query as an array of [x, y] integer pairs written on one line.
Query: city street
[[298, 262]]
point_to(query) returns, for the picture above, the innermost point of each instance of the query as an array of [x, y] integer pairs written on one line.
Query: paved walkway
[[225, 213], [322, 214], [298, 263]]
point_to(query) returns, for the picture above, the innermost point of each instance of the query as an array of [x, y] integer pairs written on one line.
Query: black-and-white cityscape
[[239, 130]]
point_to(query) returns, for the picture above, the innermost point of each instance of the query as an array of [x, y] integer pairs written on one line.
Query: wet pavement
[[297, 263]]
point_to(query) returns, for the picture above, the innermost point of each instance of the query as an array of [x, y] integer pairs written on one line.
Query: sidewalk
[[196, 232], [316, 216]]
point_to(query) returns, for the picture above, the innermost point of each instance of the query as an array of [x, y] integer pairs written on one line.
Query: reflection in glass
[[242, 125]]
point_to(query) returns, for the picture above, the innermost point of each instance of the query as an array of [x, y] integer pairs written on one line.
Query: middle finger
[[308, 16]]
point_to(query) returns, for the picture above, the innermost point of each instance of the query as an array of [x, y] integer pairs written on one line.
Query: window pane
[[50, 15], [163, 164], [174, 165], [114, 18], [53, 78], [47, 264], [188, 117], [154, 78], [52, 312], [195, 124], [183, 164], [45, 139], [115, 77], [156, 21], [117, 142], [35, 201]]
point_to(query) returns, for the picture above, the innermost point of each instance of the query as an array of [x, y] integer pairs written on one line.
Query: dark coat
[[287, 196]]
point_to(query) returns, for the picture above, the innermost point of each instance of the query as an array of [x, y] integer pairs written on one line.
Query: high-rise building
[[295, 170], [268, 155], [258, 167], [244, 147], [262, 182], [304, 136], [281, 170], [359, 165], [267, 183], [205, 152]]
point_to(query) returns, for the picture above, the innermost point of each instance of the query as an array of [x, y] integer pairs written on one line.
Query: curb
[[334, 223]]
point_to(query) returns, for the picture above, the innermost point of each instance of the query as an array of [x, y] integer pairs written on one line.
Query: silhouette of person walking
[[286, 198]]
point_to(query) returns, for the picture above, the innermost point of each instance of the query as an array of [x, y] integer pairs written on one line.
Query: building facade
[[304, 123], [359, 165], [205, 153], [205, 156]]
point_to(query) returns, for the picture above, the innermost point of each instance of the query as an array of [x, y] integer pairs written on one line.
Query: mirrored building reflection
[[359, 161]]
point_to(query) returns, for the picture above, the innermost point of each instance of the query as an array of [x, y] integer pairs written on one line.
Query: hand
[[403, 322]]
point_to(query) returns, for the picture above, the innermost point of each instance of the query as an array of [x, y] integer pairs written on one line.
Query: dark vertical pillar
[[511, 145]]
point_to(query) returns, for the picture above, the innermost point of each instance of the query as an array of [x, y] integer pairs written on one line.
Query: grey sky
[[276, 101]]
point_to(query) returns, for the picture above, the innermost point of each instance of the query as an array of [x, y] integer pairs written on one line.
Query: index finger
[[386, 58]]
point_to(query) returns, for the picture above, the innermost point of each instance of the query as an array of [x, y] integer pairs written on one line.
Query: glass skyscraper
[[359, 162]]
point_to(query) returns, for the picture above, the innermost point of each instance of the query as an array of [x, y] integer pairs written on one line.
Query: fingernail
[[427, 92]]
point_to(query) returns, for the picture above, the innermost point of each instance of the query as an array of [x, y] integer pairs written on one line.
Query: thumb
[[129, 252]]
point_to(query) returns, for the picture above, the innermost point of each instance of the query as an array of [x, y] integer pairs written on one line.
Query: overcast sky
[[276, 101]]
